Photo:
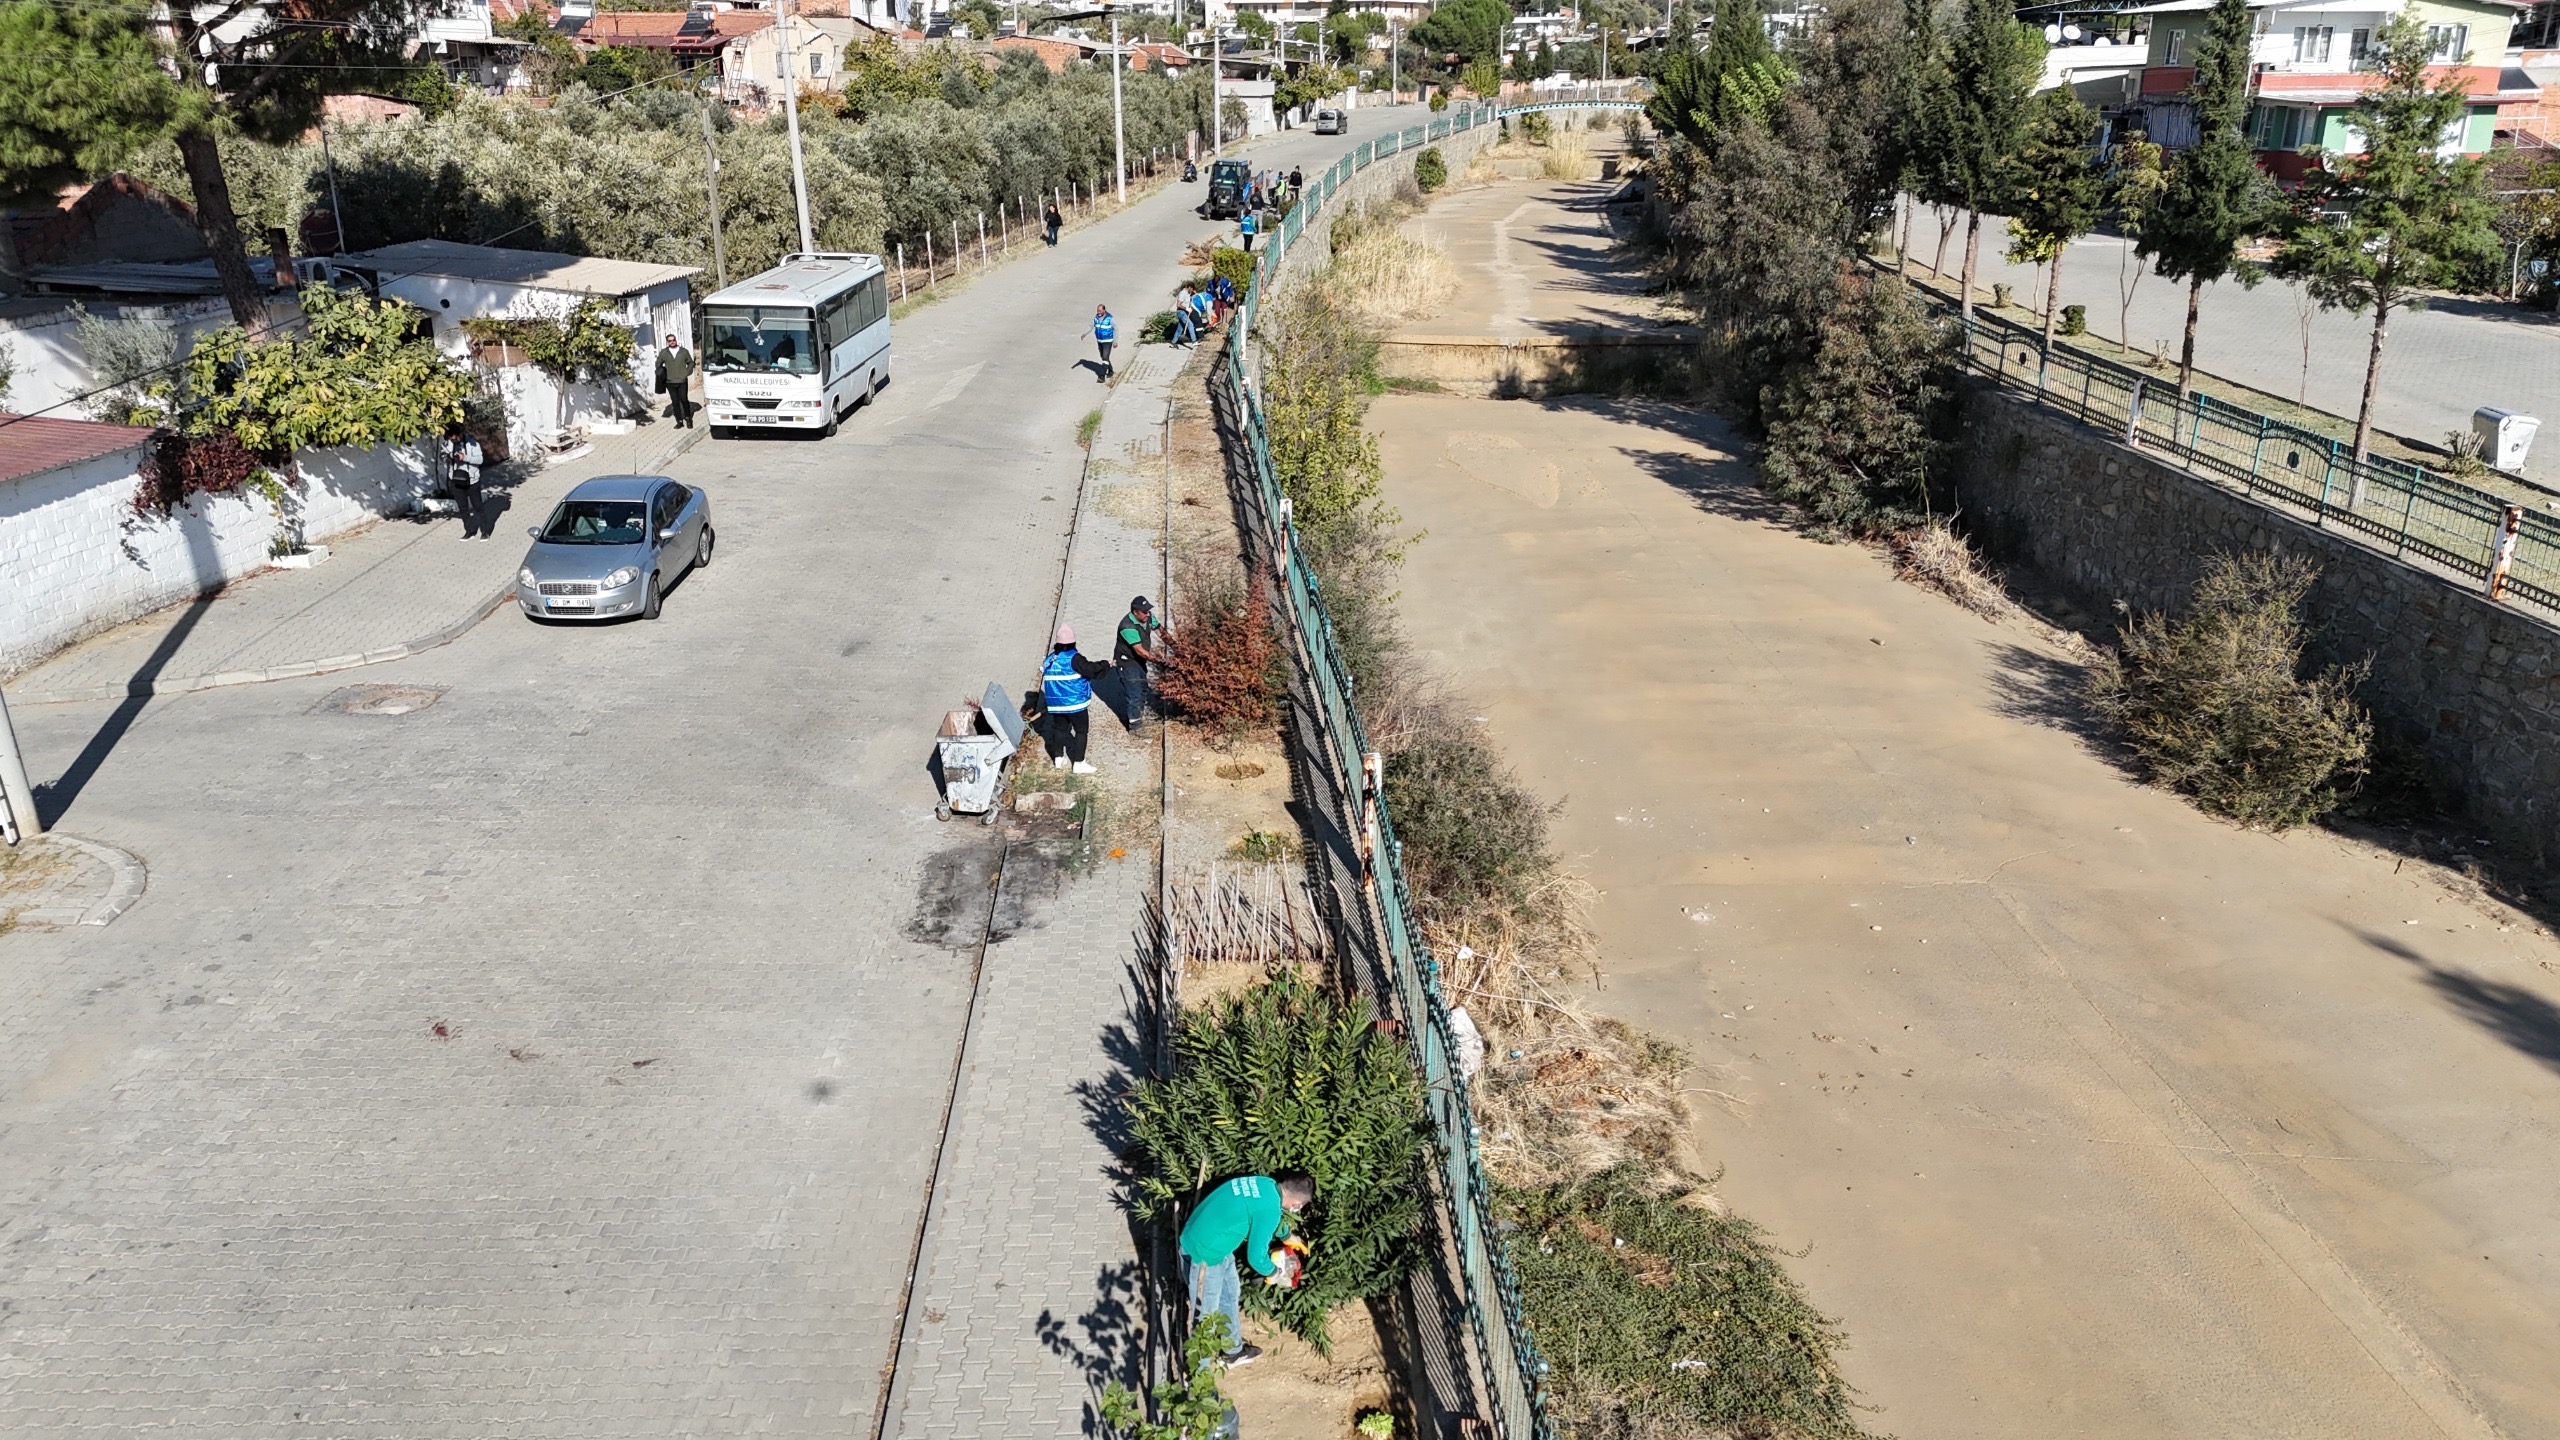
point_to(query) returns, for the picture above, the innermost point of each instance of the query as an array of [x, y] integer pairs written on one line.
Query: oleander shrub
[[1288, 1075]]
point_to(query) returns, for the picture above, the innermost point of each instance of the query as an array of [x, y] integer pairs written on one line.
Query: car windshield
[[761, 340], [594, 522]]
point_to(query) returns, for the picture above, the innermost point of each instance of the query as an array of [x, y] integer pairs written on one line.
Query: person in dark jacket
[[1139, 643], [1051, 220], [1066, 695], [675, 381]]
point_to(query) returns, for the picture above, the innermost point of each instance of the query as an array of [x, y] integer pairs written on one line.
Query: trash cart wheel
[[942, 810], [993, 812]]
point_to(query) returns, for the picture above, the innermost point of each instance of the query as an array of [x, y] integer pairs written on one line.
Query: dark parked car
[[612, 547]]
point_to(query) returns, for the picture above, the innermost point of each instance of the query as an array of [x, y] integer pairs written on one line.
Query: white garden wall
[[75, 559]]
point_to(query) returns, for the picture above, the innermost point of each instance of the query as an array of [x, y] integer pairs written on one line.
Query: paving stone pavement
[[394, 588], [1029, 1297], [566, 1057]]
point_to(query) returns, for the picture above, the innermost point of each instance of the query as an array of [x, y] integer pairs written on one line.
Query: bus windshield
[[760, 340]]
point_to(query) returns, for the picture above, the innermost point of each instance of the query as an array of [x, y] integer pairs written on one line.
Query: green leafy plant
[[1159, 328], [581, 343], [1086, 428], [127, 354], [2075, 320], [1439, 99], [1430, 170], [1232, 265], [1853, 429], [2216, 705], [1663, 1317], [1188, 1407], [1315, 394], [1376, 1425], [2214, 196], [362, 375], [1265, 846], [1288, 1076], [1535, 129]]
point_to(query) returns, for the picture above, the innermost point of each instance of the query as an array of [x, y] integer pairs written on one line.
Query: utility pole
[[1119, 137], [1395, 76], [18, 797], [711, 178], [791, 120], [1217, 121]]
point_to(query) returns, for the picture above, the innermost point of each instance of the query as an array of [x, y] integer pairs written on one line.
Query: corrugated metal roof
[[532, 269], [139, 277], [33, 444]]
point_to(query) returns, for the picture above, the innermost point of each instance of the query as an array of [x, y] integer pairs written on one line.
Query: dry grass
[[1939, 559], [1385, 275], [1563, 1094], [1566, 156]]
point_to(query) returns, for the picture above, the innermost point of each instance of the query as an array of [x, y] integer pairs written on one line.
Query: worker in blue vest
[[1105, 330], [1066, 694]]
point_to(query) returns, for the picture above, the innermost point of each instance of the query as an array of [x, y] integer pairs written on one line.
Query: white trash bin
[[2504, 436], [974, 744]]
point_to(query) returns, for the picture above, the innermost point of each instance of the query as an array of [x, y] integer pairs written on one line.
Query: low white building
[[453, 282]]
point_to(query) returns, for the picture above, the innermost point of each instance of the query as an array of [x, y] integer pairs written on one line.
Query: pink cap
[[1066, 634]]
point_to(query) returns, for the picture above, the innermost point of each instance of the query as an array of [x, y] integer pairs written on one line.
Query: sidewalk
[[391, 590], [1029, 1294]]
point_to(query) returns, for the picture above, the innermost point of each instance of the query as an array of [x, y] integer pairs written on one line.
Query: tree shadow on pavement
[[1104, 1343], [2051, 691], [2527, 1022]]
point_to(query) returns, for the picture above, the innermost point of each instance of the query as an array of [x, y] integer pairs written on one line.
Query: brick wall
[[77, 561], [2474, 683]]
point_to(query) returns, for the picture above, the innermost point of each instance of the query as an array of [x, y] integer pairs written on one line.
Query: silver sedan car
[[612, 547]]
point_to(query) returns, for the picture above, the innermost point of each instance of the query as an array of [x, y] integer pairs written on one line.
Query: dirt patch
[[1293, 1393]]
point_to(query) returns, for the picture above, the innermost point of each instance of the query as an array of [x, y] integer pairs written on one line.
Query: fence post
[[2256, 454], [2133, 412], [928, 259], [2088, 377], [2510, 526], [982, 239], [902, 269]]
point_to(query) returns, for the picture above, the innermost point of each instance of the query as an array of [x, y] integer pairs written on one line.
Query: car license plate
[[762, 419], [577, 602]]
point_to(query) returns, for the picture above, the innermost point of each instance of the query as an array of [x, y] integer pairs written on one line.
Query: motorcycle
[[1190, 172]]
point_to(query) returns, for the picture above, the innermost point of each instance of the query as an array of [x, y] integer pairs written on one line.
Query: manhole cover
[[379, 699]]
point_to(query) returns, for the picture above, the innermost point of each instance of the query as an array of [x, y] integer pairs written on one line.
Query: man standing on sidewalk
[[1139, 644], [1105, 330], [1246, 1211], [675, 377]]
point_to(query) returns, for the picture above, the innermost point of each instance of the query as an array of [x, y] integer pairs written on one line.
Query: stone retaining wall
[[2474, 683]]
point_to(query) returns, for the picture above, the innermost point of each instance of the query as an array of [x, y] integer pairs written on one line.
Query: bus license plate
[[762, 419]]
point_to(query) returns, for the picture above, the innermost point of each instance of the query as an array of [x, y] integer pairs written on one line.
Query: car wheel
[[702, 549], [649, 598]]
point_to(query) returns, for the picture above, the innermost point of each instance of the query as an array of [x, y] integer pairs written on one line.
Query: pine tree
[[80, 90], [2370, 231], [1993, 64], [2057, 193], [2216, 197], [1702, 95], [1922, 103], [264, 77]]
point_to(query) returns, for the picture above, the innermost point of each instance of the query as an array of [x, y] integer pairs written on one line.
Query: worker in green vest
[[1139, 644]]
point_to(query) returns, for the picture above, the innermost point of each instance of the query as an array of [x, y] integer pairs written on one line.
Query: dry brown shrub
[[1219, 669], [1384, 275], [1935, 556]]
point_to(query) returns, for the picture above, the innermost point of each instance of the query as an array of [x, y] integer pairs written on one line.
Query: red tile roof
[[31, 445], [633, 27], [504, 10]]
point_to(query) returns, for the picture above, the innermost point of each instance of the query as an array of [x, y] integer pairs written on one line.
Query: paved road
[[2438, 364], [2091, 1116], [566, 1057]]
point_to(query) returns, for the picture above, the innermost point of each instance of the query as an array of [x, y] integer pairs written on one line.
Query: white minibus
[[796, 347]]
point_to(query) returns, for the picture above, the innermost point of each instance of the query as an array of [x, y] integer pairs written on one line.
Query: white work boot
[[1084, 767], [1060, 762]]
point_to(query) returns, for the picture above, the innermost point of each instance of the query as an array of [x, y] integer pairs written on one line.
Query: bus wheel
[[833, 419]]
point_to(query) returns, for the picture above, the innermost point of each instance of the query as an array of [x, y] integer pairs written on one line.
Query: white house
[[453, 282]]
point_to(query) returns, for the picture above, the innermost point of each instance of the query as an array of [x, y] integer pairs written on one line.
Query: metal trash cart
[[974, 743]]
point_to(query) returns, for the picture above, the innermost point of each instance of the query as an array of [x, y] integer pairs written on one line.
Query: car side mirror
[[535, 531], [668, 534]]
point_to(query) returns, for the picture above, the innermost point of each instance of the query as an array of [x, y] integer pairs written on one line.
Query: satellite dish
[[2071, 32], [2052, 34]]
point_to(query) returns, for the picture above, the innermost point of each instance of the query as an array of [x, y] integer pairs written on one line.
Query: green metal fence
[[2416, 515], [1488, 1297]]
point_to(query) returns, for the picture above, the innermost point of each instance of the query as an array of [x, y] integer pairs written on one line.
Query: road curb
[[187, 684], [126, 886]]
